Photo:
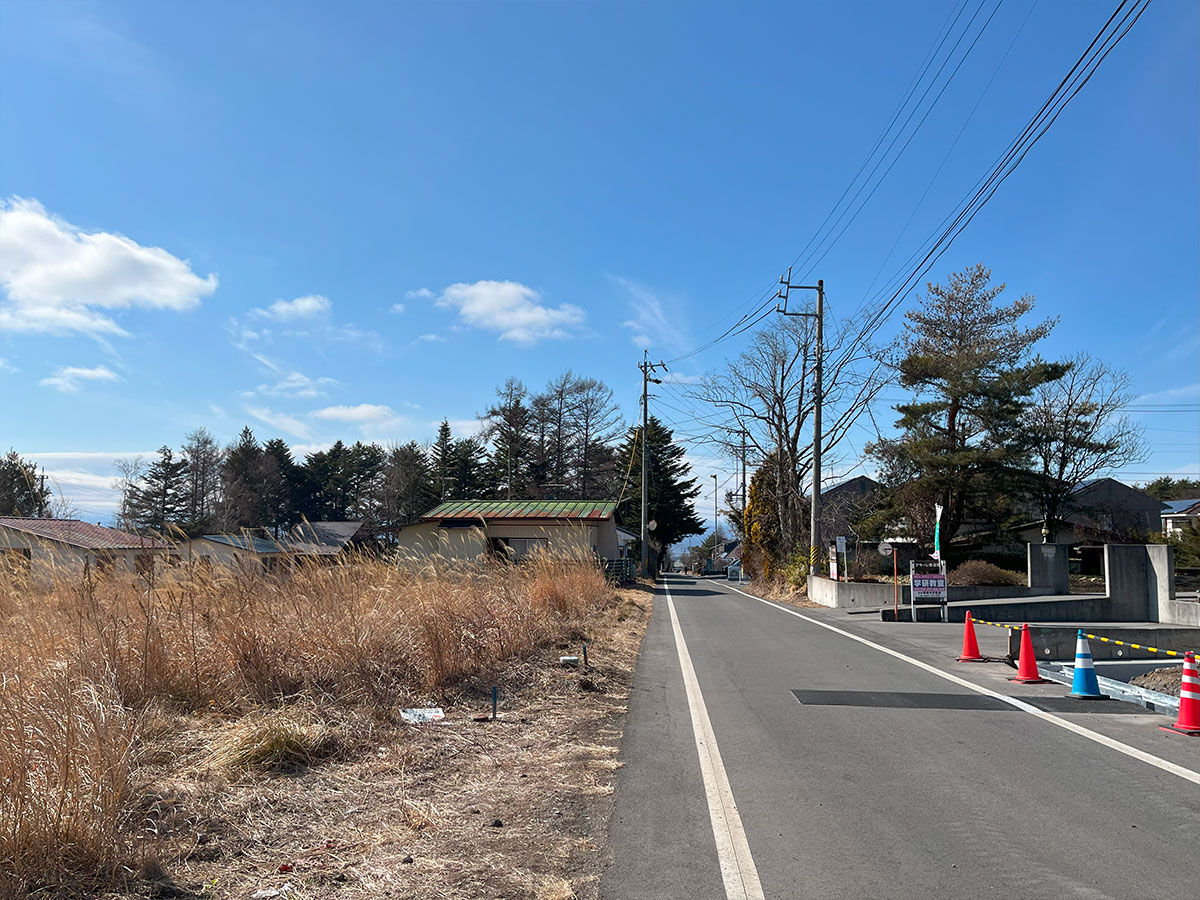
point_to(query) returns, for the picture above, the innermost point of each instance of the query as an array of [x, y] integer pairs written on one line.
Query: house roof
[[266, 545], [861, 483], [533, 510], [86, 535], [332, 534], [1181, 507]]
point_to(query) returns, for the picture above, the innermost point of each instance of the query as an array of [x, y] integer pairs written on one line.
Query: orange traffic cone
[[1189, 700], [1027, 670], [970, 650]]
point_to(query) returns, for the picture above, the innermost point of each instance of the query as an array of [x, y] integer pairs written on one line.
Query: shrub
[[978, 572]]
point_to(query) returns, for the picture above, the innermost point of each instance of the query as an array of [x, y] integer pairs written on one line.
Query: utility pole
[[814, 528], [716, 524], [647, 367]]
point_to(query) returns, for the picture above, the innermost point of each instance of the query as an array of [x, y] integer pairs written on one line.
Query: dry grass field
[[218, 734]]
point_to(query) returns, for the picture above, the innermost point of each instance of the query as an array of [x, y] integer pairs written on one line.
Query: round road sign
[[652, 524], [885, 549]]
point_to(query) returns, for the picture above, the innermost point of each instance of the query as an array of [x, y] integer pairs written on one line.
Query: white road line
[[1104, 740], [733, 850]]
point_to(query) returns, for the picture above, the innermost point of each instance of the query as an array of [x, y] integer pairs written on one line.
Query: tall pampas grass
[[84, 658]]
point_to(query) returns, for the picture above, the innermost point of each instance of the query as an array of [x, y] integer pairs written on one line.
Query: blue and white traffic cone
[[1084, 685]]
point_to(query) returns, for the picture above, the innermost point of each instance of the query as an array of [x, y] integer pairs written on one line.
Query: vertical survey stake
[[495, 699]]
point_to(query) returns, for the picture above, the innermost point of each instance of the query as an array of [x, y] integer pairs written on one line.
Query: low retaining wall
[[1071, 608], [1058, 643], [1179, 612], [876, 594]]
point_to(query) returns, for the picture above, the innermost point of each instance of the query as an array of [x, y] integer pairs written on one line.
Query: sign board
[[833, 563], [652, 524], [841, 544], [928, 580], [885, 549]]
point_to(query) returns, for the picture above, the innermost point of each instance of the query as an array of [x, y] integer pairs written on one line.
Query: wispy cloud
[[513, 310], [70, 378], [6, 366], [374, 420], [651, 324], [432, 338], [61, 280], [398, 308], [1186, 392], [419, 294], [288, 424], [296, 384], [310, 306]]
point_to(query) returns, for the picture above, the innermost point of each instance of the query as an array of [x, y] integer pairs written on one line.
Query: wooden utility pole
[[814, 528]]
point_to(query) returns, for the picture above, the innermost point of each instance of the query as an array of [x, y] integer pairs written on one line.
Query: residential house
[[843, 506], [1179, 514], [469, 529], [308, 540], [50, 548]]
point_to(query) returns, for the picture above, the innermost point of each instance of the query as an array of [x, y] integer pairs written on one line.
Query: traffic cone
[[970, 650], [1189, 700], [1084, 685], [1027, 670]]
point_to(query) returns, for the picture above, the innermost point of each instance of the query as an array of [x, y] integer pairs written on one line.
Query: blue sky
[[350, 221]]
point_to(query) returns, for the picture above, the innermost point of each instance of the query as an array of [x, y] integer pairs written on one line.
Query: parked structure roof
[[535, 510], [1179, 507], [77, 533], [332, 534], [268, 546]]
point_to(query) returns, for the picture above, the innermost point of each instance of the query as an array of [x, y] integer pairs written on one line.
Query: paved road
[[882, 779]]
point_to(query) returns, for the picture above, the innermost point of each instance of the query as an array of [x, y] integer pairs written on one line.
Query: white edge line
[[733, 850], [1104, 740]]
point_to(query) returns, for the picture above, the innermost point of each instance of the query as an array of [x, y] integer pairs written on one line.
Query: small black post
[[495, 698], [585, 659]]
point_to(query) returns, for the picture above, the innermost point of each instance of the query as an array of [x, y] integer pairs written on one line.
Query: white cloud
[[92, 494], [92, 456], [309, 306], [651, 324], [57, 278], [398, 308], [432, 338], [1170, 395], [68, 378], [363, 412], [418, 294], [460, 427], [297, 384], [281, 421], [512, 309], [6, 366]]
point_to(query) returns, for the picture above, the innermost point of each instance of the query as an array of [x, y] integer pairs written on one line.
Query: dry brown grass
[[108, 684]]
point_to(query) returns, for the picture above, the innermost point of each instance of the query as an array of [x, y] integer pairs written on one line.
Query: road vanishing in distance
[[774, 757]]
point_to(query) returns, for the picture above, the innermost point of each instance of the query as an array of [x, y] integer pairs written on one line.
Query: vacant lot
[[225, 735]]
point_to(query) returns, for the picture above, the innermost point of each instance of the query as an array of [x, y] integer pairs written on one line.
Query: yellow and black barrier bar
[[1089, 636]]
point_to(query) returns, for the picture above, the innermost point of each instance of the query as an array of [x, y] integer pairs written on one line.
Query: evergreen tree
[[597, 423], [280, 487], [406, 489], [23, 490], [509, 425], [671, 491], [242, 484], [441, 458], [471, 476], [963, 443], [160, 501]]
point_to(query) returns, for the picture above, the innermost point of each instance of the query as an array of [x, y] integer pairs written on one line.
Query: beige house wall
[[427, 538], [49, 560]]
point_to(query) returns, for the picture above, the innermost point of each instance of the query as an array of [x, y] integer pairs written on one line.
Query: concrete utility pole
[[716, 523], [814, 528], [647, 367]]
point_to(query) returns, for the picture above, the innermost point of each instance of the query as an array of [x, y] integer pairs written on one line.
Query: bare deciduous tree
[[1080, 431]]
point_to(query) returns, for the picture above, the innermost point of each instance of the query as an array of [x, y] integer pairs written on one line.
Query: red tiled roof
[[80, 534]]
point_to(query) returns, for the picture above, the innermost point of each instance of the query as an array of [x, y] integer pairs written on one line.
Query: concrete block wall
[[1140, 579], [1046, 567]]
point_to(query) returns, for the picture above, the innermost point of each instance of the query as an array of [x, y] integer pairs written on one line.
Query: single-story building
[[49, 548], [308, 539], [468, 529], [1178, 514]]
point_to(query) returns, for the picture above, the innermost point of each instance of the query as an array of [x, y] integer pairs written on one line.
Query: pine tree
[[203, 490], [242, 485], [23, 490], [406, 489], [280, 483], [509, 425], [471, 475], [160, 500], [963, 443], [671, 491], [441, 458]]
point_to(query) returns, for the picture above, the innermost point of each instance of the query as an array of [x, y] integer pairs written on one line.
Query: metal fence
[[621, 571]]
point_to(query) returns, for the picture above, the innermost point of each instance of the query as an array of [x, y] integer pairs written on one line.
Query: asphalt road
[[882, 779]]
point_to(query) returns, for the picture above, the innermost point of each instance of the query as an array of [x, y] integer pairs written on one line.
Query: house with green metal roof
[[469, 529]]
